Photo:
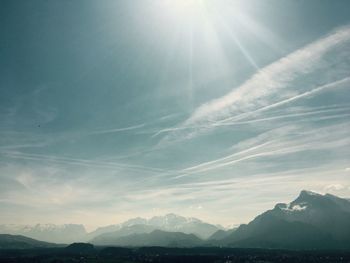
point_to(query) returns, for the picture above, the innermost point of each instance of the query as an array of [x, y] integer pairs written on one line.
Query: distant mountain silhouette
[[154, 238], [22, 242], [110, 238], [169, 223], [310, 221], [70, 233], [221, 234], [175, 223], [67, 233]]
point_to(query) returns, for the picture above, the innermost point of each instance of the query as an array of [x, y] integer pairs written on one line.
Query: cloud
[[273, 77], [291, 112], [277, 143], [275, 85], [331, 85], [335, 187], [134, 127]]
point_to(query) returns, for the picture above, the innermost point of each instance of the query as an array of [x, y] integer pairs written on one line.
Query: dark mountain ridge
[[22, 242], [154, 238], [312, 221]]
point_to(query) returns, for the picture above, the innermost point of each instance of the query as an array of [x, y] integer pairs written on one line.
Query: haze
[[209, 109]]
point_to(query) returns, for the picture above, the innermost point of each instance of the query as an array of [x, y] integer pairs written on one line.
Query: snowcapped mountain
[[327, 212], [134, 221], [310, 221], [69, 233], [175, 223], [47, 232], [167, 223]]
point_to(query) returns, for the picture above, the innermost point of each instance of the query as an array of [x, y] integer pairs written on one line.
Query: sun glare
[[187, 8], [188, 4]]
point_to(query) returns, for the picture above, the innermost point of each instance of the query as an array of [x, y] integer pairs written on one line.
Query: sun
[[186, 8], [188, 4]]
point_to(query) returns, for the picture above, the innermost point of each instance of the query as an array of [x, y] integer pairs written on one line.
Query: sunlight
[[186, 9], [175, 131], [203, 30], [190, 4]]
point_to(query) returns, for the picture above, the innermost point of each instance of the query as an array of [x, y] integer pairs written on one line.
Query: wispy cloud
[[277, 143], [260, 191], [239, 119], [79, 162], [274, 85], [331, 85], [129, 128]]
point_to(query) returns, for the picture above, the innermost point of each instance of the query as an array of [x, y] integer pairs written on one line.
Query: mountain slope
[[70, 233], [310, 221], [110, 238], [221, 234], [67, 233], [22, 242], [175, 223], [168, 223], [156, 238]]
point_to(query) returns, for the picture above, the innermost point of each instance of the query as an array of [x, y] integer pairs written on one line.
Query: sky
[[209, 109]]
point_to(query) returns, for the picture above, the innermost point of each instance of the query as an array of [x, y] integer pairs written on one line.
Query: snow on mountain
[[312, 220], [169, 223], [134, 221], [69, 233]]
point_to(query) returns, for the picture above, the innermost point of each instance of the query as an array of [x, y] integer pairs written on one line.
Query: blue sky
[[212, 109]]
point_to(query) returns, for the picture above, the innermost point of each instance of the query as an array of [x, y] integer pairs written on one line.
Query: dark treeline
[[160, 255]]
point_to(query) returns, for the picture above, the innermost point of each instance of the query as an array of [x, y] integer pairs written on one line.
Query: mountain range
[[311, 221], [168, 223], [155, 238], [70, 233]]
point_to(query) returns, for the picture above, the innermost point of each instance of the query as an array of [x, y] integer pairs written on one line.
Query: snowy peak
[[171, 220], [169, 223], [308, 201], [306, 196], [168, 220], [175, 223], [311, 221], [319, 201], [308, 193], [134, 221]]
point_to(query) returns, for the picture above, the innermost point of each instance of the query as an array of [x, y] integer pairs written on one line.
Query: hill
[[22, 242], [154, 238]]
